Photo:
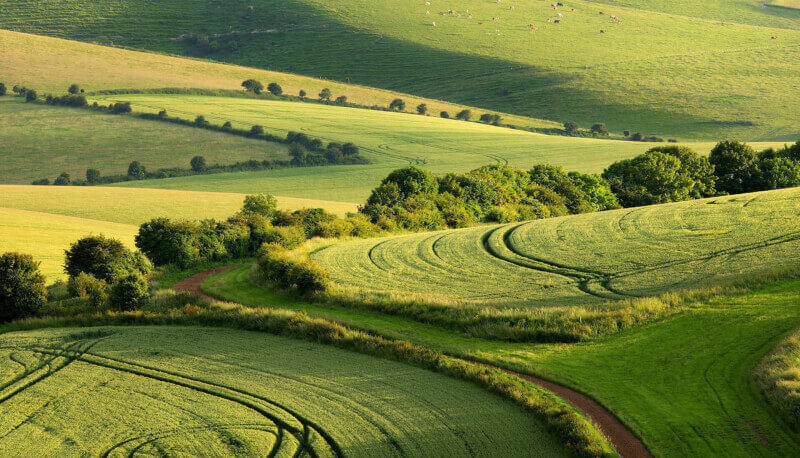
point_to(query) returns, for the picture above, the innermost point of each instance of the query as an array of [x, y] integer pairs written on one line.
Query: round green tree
[[22, 286]]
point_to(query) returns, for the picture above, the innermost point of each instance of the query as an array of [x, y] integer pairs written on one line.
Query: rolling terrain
[[389, 140], [157, 390], [682, 69]]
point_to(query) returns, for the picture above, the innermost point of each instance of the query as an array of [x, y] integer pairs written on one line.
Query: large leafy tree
[[22, 286]]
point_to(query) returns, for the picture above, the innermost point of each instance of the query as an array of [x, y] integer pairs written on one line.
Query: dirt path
[[624, 441]]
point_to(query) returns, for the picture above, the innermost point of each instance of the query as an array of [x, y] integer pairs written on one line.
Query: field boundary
[[626, 443]]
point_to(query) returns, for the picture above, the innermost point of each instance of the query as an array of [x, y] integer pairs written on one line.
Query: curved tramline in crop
[[577, 267]]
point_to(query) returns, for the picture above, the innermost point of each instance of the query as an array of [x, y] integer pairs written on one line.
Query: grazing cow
[[602, 12], [495, 18], [557, 21], [560, 4], [774, 37], [602, 31]]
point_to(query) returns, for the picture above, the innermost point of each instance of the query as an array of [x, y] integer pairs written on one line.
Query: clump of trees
[[22, 287], [412, 198], [397, 104], [490, 118], [106, 274], [275, 89], [422, 108], [253, 86]]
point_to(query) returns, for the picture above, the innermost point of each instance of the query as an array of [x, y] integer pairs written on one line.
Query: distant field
[[44, 141], [785, 3], [45, 236], [164, 391], [685, 69], [389, 140], [580, 260], [29, 60], [44, 220]]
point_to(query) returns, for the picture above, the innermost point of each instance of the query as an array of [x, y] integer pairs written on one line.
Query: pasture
[[44, 220], [137, 391], [44, 141], [684, 69], [388, 140], [682, 383], [28, 60], [581, 266]]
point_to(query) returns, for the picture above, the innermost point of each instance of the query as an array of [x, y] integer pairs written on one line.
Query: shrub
[[3, 89], [200, 121], [198, 164], [41, 182], [341, 100], [350, 149], [105, 258], [397, 104], [120, 107], [63, 180], [325, 94], [92, 176], [74, 89], [129, 293], [464, 115], [31, 95], [227, 125], [274, 264], [289, 237], [253, 86], [422, 108], [490, 118], [260, 204], [599, 129], [302, 93], [256, 130], [162, 114], [626, 133], [167, 242], [444, 114], [136, 171], [275, 89], [309, 277], [571, 127], [86, 286], [22, 286]]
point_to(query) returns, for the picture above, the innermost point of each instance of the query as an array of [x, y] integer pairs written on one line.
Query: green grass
[[45, 236], [794, 4], [44, 220], [388, 140], [582, 274], [233, 393], [684, 69], [43, 141], [29, 60], [778, 378], [682, 384]]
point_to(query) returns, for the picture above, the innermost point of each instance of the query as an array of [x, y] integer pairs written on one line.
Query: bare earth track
[[625, 442]]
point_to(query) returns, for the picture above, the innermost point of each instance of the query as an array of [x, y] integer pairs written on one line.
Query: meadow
[[678, 69], [44, 141], [682, 383], [44, 220], [155, 390], [389, 140], [28, 60], [577, 268]]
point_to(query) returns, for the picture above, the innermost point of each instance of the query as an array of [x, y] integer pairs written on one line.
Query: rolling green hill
[[566, 273], [681, 69], [388, 140], [198, 391], [44, 220]]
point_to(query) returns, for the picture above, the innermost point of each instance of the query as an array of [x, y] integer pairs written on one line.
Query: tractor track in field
[[624, 441]]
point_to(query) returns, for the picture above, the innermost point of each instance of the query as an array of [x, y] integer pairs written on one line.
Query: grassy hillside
[[538, 274], [45, 236], [43, 141], [233, 393], [686, 69], [44, 220], [29, 60], [682, 384], [388, 140]]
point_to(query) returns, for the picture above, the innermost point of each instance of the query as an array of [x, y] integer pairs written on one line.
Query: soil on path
[[623, 440]]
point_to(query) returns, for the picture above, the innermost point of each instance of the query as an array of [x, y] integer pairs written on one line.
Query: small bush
[[31, 95], [444, 114], [341, 100], [22, 286], [422, 108], [309, 277], [253, 86], [86, 286], [260, 204], [74, 89], [129, 293], [198, 164], [256, 130], [3, 89], [275, 89], [397, 104], [464, 115], [63, 180], [92, 176], [41, 182], [325, 94], [289, 237]]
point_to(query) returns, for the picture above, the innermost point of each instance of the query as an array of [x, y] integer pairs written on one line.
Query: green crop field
[[588, 259], [388, 140], [682, 384], [684, 69], [165, 391], [28, 60], [44, 220], [45, 236], [44, 141]]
